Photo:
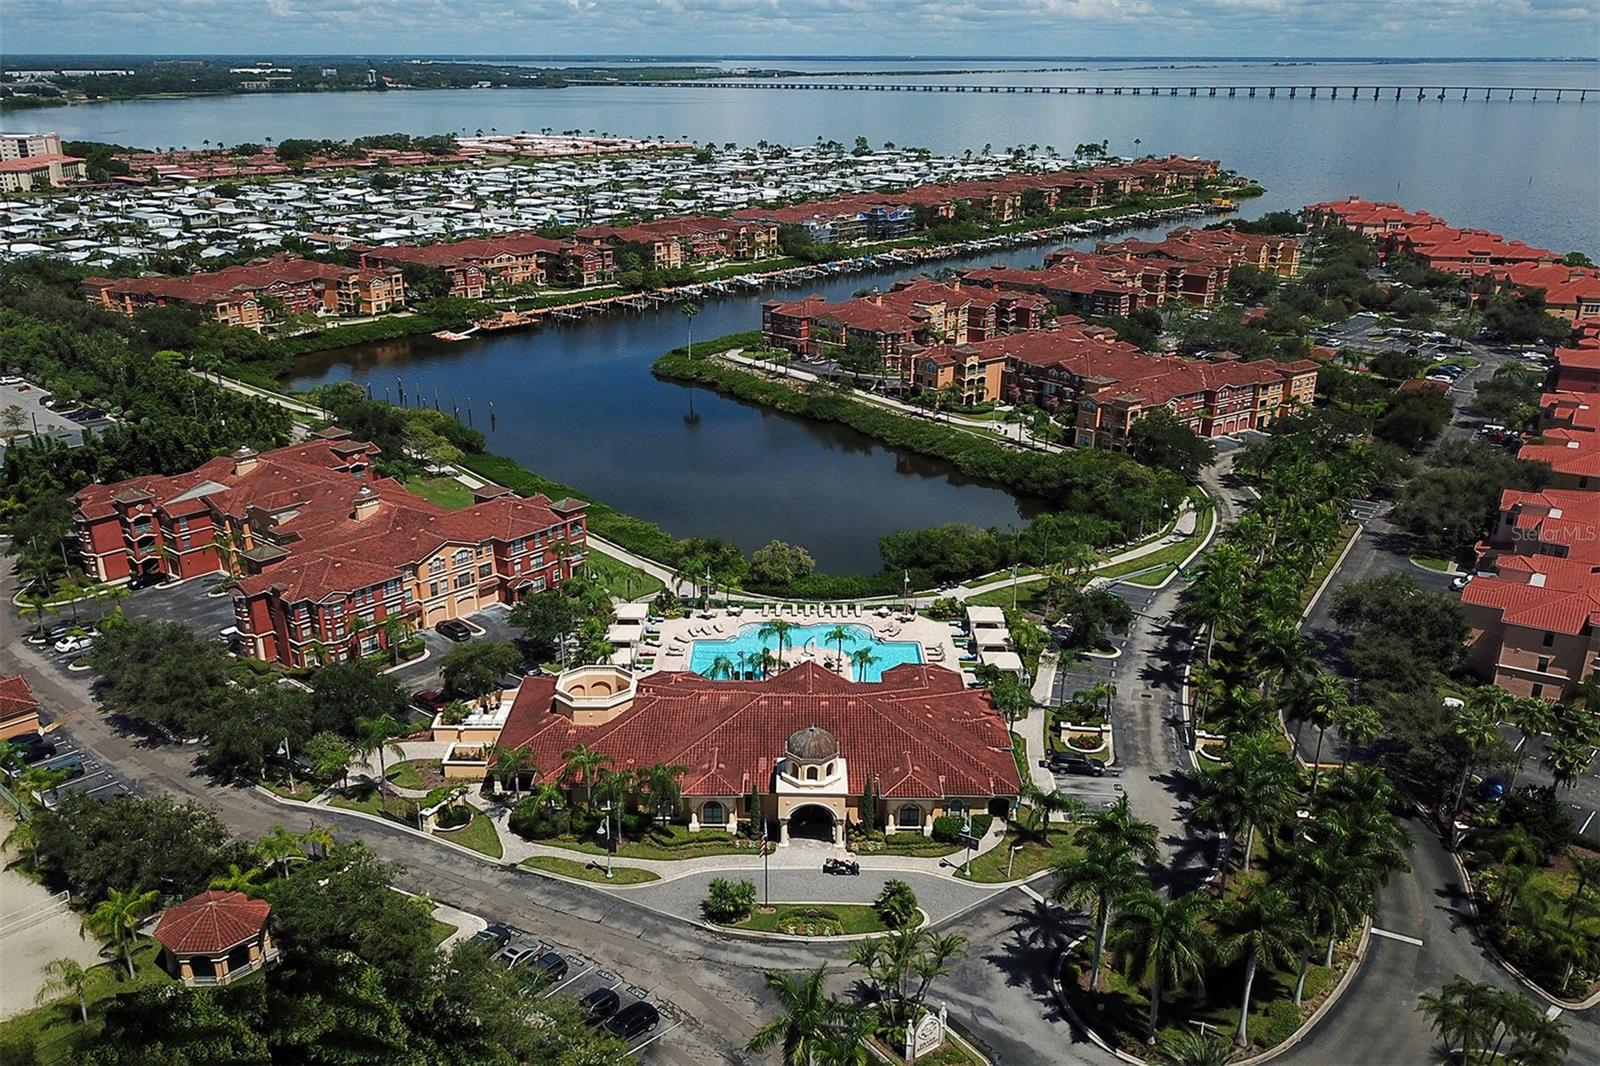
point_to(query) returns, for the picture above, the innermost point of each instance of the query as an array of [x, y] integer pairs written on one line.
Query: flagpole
[[766, 869], [290, 759]]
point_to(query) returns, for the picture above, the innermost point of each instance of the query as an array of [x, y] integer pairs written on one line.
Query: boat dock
[[1530, 93]]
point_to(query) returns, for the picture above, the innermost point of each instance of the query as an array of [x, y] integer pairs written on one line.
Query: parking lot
[[90, 776], [65, 426], [583, 978]]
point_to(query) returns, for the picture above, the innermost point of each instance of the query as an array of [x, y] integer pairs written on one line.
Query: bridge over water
[[1536, 94]]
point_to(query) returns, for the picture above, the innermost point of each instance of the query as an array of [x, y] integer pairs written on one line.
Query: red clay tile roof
[[16, 698], [920, 732], [211, 923]]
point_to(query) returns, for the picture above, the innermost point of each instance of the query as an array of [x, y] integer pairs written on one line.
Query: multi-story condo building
[[23, 145], [1570, 292], [327, 556], [254, 294], [481, 264]]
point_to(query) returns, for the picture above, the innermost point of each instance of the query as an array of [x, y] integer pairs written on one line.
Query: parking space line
[[653, 1039], [568, 981], [1396, 936], [1553, 1011], [1586, 822]]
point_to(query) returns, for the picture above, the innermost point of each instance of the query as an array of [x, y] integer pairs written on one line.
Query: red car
[[431, 700]]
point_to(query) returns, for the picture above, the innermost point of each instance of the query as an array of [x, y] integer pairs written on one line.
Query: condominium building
[[331, 561], [35, 172], [24, 145]]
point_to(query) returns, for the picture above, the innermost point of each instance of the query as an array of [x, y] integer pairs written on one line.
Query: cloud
[[1493, 28]]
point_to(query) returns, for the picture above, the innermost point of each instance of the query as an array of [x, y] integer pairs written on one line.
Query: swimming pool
[[745, 649]]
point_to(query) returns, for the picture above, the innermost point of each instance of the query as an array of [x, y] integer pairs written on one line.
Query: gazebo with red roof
[[215, 938]]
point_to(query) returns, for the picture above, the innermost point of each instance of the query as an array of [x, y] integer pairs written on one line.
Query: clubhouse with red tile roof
[[803, 744], [215, 937]]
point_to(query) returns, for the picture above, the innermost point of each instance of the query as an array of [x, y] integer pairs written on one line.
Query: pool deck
[[678, 636]]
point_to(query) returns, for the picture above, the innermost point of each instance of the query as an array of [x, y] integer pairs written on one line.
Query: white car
[[69, 645], [1461, 582]]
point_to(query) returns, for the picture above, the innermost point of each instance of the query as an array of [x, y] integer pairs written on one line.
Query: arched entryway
[[811, 822]]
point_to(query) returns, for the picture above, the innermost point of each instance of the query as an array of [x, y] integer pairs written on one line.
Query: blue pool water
[[749, 643]]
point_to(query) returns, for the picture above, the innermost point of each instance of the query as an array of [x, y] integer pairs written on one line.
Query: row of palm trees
[[587, 783]]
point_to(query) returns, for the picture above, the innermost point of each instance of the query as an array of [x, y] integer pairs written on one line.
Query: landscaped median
[[731, 905]]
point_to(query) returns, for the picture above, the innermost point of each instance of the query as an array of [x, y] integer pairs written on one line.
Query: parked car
[[599, 1005], [548, 968], [1070, 762], [519, 952], [32, 747], [431, 700], [1461, 582], [73, 645], [636, 1019], [494, 935], [846, 867], [454, 629]]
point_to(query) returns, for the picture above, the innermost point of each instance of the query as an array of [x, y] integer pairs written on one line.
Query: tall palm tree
[[117, 918], [1476, 725], [1567, 759], [1256, 789], [582, 763], [67, 977], [806, 1013], [1115, 831], [1359, 725], [1261, 926], [316, 841], [721, 667], [765, 662], [509, 762], [1165, 942], [837, 636], [778, 629], [1325, 697], [862, 659], [1097, 881], [375, 736]]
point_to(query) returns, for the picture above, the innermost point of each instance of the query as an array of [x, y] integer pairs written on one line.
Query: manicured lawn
[[620, 579], [1431, 562], [991, 867], [1153, 578], [50, 1034], [822, 919], [663, 842], [440, 931], [444, 491], [405, 773], [902, 844], [478, 834], [302, 792], [1172, 554], [1030, 595], [588, 871]]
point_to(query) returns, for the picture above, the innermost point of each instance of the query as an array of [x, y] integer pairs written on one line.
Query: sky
[[1301, 28]]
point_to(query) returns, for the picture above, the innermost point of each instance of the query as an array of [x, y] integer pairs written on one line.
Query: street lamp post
[[1013, 586], [1012, 860], [610, 835], [966, 837]]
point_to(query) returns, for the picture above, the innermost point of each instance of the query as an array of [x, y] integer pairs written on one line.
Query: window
[[827, 771], [519, 545], [485, 569], [1544, 663], [1549, 640], [433, 588], [464, 580], [811, 773], [461, 558], [713, 813], [909, 816], [1536, 691], [435, 567]]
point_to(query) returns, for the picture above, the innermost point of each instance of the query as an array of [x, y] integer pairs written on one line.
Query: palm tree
[[779, 630], [66, 977], [1567, 759], [837, 636], [316, 841], [277, 848], [861, 659], [1165, 942], [1260, 925], [765, 662], [375, 736], [1476, 726], [1325, 699], [582, 764], [509, 762], [238, 880], [1115, 831], [806, 1013], [664, 782], [117, 918], [1255, 789], [1359, 725], [1097, 881], [721, 666]]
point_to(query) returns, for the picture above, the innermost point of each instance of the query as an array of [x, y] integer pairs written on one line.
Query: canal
[[576, 402]]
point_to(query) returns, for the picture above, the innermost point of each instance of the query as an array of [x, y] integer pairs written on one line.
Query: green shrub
[[453, 817], [1282, 1018], [896, 904], [533, 820], [947, 827], [729, 901]]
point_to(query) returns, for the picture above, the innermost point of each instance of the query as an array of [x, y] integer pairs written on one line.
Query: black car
[[33, 747], [495, 936], [548, 968], [145, 581], [454, 629], [1070, 762], [636, 1019], [599, 1005]]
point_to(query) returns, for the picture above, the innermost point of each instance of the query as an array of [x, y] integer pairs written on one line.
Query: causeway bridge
[[1536, 94]]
